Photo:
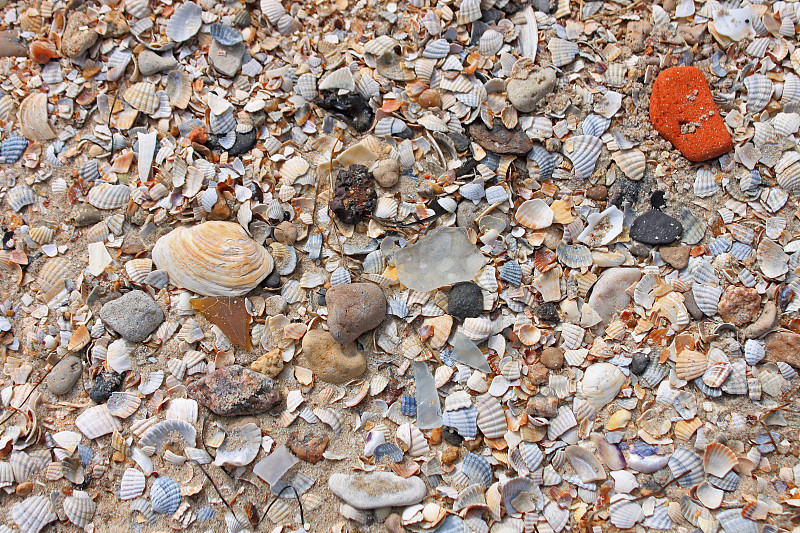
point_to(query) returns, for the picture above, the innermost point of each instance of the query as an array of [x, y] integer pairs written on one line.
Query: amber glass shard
[[229, 314]]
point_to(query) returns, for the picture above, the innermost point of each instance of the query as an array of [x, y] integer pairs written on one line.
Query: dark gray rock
[[104, 385], [134, 316], [465, 300], [639, 363], [655, 227]]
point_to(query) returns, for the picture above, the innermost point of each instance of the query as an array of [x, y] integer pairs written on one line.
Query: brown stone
[[77, 37], [271, 363], [116, 26], [198, 135], [552, 357], [285, 233], [354, 308], [394, 524], [675, 256], [537, 373], [330, 361], [435, 437], [235, 391], [308, 447], [11, 45], [764, 323], [450, 455], [739, 305], [784, 346], [499, 139], [636, 35], [430, 98], [598, 192], [542, 406]]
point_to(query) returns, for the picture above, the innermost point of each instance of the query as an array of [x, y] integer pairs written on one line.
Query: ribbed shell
[[225, 35], [33, 513], [583, 151], [132, 484], [108, 196], [469, 11], [165, 495], [213, 259], [631, 162], [686, 463], [436, 49], [490, 43], [759, 91], [20, 196], [32, 117], [142, 96], [491, 418], [562, 51], [185, 22], [12, 149], [79, 508]]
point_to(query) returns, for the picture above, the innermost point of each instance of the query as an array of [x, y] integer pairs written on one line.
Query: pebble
[[64, 375], [105, 384], [377, 489], [784, 346], [308, 447], [354, 197], [227, 60], [764, 323], [135, 315], [499, 139], [525, 94], [548, 312], [546, 406], [244, 143], [608, 293], [739, 305], [77, 39], [683, 111], [83, 215], [285, 233], [394, 524], [691, 306], [639, 363], [552, 357], [675, 256], [235, 391], [451, 436], [151, 63], [354, 308], [116, 25], [273, 281], [654, 227], [538, 373], [636, 35], [11, 45], [330, 361], [271, 363], [275, 305], [465, 300], [386, 172], [598, 192]]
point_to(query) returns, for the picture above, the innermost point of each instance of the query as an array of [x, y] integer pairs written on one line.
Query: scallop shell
[[123, 404], [595, 125], [583, 151], [563, 422], [142, 96], [477, 329], [165, 495], [96, 421], [477, 469], [706, 297], [12, 149], [631, 162], [185, 22], [273, 10], [759, 91], [534, 214], [161, 432], [108, 196], [33, 116], [79, 508], [33, 513], [240, 447], [306, 86], [693, 227], [719, 459], [436, 49], [412, 440], [490, 43], [690, 364], [225, 35], [213, 259], [601, 383], [754, 351], [469, 11], [625, 514], [491, 418], [556, 516], [562, 51], [138, 8], [20, 196], [132, 484], [688, 465]]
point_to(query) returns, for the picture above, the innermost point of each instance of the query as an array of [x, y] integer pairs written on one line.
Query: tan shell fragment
[[32, 117], [213, 259]]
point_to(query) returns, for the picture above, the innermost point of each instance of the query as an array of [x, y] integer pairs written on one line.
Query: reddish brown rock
[[499, 139], [235, 391], [198, 135], [544, 406], [308, 447], [552, 357], [784, 346], [675, 256], [764, 323], [739, 305], [683, 111], [537, 373], [354, 308], [599, 192]]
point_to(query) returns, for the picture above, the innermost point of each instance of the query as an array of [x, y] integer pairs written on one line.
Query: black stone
[[451, 436], [244, 143], [640, 250], [354, 197], [273, 281], [655, 227], [465, 300], [460, 141], [548, 312], [105, 384], [640, 363], [657, 200], [541, 5], [352, 108], [624, 191]]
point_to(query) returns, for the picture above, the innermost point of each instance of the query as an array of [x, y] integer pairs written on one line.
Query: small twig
[[297, 497], [203, 470]]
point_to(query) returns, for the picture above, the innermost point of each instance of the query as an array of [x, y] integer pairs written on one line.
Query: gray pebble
[[227, 60], [150, 62], [134, 316], [85, 215], [64, 375], [526, 94], [377, 489]]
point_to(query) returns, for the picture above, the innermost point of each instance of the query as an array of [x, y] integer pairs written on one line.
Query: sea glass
[[467, 352], [442, 257], [230, 314], [429, 410], [275, 465]]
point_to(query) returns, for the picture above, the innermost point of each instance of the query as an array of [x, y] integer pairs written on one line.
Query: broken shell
[[33, 513], [583, 151], [213, 259], [185, 22], [718, 459], [79, 508], [33, 118], [602, 228]]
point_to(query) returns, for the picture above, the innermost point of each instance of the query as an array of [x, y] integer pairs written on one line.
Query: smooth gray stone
[[134, 316], [377, 489]]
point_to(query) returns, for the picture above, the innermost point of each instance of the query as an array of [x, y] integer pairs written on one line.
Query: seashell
[[686, 464], [33, 118], [563, 422], [306, 86], [184, 23], [490, 43], [472, 191], [392, 127], [543, 159], [288, 25], [585, 464], [165, 495], [340, 276], [583, 151], [562, 51], [142, 96], [285, 258], [602, 228], [718, 460], [717, 373], [333, 419], [79, 508], [132, 484], [601, 383], [412, 440], [33, 513], [97, 421], [534, 214], [690, 365], [757, 510], [706, 297], [24, 466], [754, 351], [472, 497], [477, 329], [161, 432], [464, 421], [123, 404], [791, 89], [225, 35], [771, 259], [273, 10], [632, 163], [20, 196], [213, 259], [240, 447], [138, 269], [512, 273], [759, 91], [436, 49], [556, 516], [477, 469], [468, 11], [12, 149], [693, 227], [729, 482], [595, 125], [786, 124], [340, 79], [491, 418], [179, 89], [138, 8], [704, 183], [696, 514], [107, 196]]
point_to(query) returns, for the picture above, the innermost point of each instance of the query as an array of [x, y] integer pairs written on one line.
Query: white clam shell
[[185, 22], [132, 484], [534, 214], [240, 446], [601, 383], [602, 228], [32, 117]]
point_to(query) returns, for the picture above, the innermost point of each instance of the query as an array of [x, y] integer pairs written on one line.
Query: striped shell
[[132, 484], [491, 418], [469, 11], [12, 149], [759, 91], [33, 513], [490, 43], [20, 196], [273, 10], [165, 495], [108, 196], [79, 508], [225, 35], [583, 151], [436, 49], [631, 162], [185, 22], [534, 214], [718, 460], [33, 116], [562, 51], [142, 96]]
